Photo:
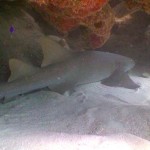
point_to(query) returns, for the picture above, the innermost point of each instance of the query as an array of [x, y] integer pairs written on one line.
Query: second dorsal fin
[[20, 69]]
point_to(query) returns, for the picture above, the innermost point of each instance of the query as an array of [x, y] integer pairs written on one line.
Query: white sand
[[83, 120]]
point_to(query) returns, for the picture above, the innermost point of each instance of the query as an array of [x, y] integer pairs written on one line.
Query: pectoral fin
[[20, 69], [120, 79]]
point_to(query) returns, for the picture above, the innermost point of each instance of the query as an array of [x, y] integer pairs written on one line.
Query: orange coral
[[65, 15], [79, 8]]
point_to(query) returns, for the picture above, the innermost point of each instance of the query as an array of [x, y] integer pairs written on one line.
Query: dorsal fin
[[20, 69], [53, 50]]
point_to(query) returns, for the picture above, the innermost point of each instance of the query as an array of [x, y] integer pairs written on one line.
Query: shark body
[[80, 68]]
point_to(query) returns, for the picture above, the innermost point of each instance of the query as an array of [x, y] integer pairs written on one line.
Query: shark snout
[[131, 63], [128, 64]]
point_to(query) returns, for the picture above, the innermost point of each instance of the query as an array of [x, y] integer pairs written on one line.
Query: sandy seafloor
[[95, 113], [94, 117]]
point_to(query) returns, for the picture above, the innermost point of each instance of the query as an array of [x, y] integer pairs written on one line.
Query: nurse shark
[[68, 71]]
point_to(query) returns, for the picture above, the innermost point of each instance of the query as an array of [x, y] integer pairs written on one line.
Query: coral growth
[[142, 4], [66, 15]]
